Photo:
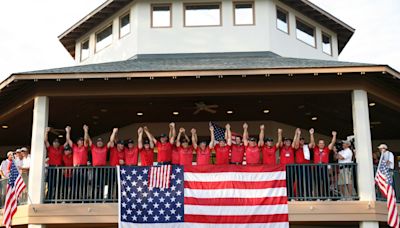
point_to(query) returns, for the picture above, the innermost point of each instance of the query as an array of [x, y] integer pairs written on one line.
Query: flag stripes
[[160, 176]]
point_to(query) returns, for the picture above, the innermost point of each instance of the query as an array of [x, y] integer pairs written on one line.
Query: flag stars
[[129, 212], [173, 199], [145, 218], [134, 218], [144, 206], [178, 193], [133, 194], [123, 171], [129, 177], [162, 200], [150, 200], [167, 194], [123, 205], [178, 170], [124, 217], [179, 181], [173, 187], [123, 182], [156, 194], [140, 177], [150, 212], [128, 189], [173, 211], [124, 193], [145, 171], [138, 200], [156, 218], [167, 205], [167, 217], [134, 183], [139, 189], [145, 194], [178, 204], [145, 182], [161, 212], [156, 205], [134, 172], [178, 217], [139, 212], [173, 176]]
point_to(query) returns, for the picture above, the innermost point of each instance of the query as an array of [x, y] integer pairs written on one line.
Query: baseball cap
[[252, 139], [18, 151], [203, 142], [99, 139], [67, 147], [120, 142], [285, 139], [56, 140], [382, 146], [130, 141], [184, 140], [9, 153], [163, 135], [346, 142], [268, 139], [80, 138], [24, 149], [146, 141]]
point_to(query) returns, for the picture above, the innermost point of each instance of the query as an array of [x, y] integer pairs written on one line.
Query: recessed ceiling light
[[266, 111], [60, 136], [372, 104], [175, 113], [139, 113], [103, 110], [314, 118], [4, 126], [229, 112]]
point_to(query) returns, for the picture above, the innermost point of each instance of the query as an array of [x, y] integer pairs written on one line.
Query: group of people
[[179, 148]]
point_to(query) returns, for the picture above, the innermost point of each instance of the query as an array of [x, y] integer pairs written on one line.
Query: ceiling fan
[[201, 106]]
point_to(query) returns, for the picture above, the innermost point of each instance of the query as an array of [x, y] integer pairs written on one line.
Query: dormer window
[[202, 14], [326, 44], [104, 38], [161, 16], [282, 20], [305, 33], [244, 13], [84, 50], [124, 25]]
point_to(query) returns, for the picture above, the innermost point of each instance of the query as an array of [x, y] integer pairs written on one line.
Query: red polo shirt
[[185, 155], [80, 155], [99, 155], [287, 155], [252, 155], [237, 153], [116, 155], [175, 155], [203, 156], [146, 156], [164, 151], [55, 155], [222, 154], [131, 155], [67, 160], [300, 156], [321, 156], [269, 155]]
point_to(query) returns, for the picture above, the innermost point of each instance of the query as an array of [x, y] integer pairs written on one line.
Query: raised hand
[[245, 126], [68, 129], [140, 130], [280, 131], [334, 133], [262, 127], [311, 131], [48, 129], [172, 125], [85, 127], [228, 126], [181, 130], [115, 130], [193, 131]]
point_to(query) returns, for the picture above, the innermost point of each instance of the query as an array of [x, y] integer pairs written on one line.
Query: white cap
[[9, 153], [24, 149], [18, 151], [382, 146]]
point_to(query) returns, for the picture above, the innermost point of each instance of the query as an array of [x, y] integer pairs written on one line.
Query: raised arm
[[296, 139], [46, 137], [312, 139], [149, 136], [68, 136], [279, 143], [140, 138], [178, 140], [194, 138], [172, 133], [245, 134], [212, 137], [113, 136], [333, 141], [86, 137], [228, 134], [261, 135]]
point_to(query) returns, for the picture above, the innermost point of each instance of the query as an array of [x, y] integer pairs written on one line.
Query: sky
[[28, 34]]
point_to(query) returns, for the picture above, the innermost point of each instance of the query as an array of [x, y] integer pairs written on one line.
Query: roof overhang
[[108, 8]]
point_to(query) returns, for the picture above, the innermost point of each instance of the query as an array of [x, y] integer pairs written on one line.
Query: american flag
[[160, 176], [219, 133], [384, 181], [15, 186], [205, 196]]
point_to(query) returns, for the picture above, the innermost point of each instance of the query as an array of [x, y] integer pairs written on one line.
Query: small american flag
[[160, 176], [219, 133], [15, 186], [384, 181], [205, 196]]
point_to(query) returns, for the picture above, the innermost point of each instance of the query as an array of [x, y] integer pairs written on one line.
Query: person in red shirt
[[268, 147], [223, 148], [286, 152], [303, 172], [203, 151], [165, 145], [67, 160], [185, 151], [146, 147], [80, 158], [99, 158], [321, 157], [237, 148], [252, 148], [131, 153], [55, 155]]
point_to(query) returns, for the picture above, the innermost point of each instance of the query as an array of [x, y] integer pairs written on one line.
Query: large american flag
[[384, 181], [205, 196], [15, 186]]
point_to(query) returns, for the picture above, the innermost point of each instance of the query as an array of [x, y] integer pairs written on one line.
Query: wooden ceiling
[[333, 110]]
